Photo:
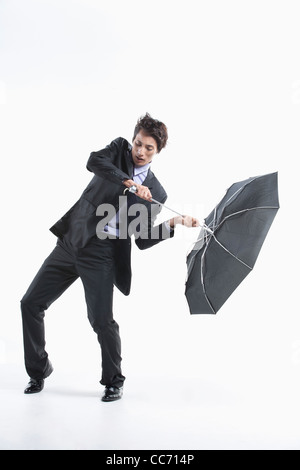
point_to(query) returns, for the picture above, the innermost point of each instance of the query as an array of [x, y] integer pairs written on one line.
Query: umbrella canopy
[[229, 242]]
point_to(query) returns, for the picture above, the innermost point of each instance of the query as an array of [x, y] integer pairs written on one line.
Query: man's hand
[[142, 191], [185, 220]]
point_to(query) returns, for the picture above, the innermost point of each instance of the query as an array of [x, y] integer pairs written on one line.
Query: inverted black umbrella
[[229, 242]]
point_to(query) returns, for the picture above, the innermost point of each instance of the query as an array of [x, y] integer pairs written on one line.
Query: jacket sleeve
[[102, 163]]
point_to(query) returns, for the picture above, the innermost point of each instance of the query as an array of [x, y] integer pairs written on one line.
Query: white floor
[[230, 381], [154, 413]]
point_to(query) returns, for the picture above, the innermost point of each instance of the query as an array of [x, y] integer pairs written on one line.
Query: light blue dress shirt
[[139, 176]]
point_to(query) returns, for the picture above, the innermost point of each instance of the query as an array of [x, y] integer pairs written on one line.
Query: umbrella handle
[[132, 189]]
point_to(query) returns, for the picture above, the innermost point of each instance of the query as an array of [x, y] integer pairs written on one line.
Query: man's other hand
[[185, 220]]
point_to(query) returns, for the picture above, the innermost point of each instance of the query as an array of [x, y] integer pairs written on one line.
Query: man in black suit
[[91, 245]]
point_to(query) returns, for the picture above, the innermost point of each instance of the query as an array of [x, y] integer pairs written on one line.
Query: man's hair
[[153, 128]]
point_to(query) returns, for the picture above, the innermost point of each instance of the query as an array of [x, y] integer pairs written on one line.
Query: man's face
[[144, 148]]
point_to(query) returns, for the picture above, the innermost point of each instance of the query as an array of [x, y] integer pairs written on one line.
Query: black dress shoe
[[112, 393], [34, 386]]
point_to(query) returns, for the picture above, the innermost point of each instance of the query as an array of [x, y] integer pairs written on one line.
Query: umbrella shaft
[[166, 207], [133, 190]]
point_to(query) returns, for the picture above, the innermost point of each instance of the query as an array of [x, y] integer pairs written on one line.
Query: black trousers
[[94, 264]]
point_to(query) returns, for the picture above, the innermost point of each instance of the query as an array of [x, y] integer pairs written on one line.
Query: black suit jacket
[[111, 166]]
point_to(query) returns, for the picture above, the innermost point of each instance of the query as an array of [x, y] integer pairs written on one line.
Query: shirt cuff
[[171, 229]]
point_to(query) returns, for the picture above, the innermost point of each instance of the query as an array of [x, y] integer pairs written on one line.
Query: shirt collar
[[141, 169]]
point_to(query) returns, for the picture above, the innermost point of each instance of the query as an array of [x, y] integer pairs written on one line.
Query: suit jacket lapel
[[149, 179]]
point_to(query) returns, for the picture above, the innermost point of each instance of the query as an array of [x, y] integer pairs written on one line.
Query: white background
[[225, 78]]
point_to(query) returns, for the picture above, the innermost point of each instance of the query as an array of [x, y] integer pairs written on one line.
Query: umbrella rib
[[246, 210], [224, 248], [241, 189], [231, 215], [202, 280], [202, 264], [212, 230], [237, 191]]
